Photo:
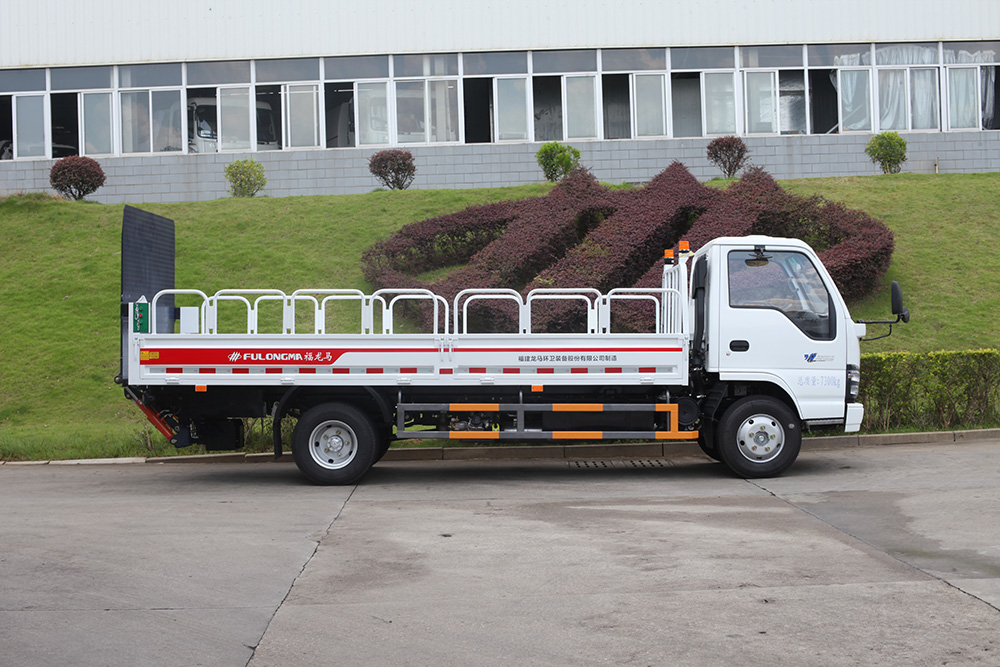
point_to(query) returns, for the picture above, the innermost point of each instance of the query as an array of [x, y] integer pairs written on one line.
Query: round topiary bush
[[76, 176], [393, 168], [556, 160], [888, 151], [246, 177], [728, 154]]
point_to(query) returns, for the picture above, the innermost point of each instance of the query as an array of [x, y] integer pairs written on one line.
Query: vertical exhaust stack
[[147, 268]]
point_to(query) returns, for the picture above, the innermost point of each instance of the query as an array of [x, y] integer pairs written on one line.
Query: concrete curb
[[576, 451]]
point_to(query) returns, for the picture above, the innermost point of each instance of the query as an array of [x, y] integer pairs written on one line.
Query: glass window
[[707, 57], [855, 100], [760, 102], [232, 71], [15, 80], [97, 124], [292, 69], [147, 76], [546, 93], [80, 78], [617, 106], [839, 55], [972, 52], [135, 122], [906, 54], [166, 128], [581, 119], [633, 60], [771, 56], [924, 107], [792, 101], [301, 117], [564, 61], [373, 114], [234, 119], [963, 107], [29, 115], [512, 109], [511, 62], [783, 281], [410, 124], [444, 110], [339, 114], [685, 95], [720, 103], [356, 67], [892, 99], [438, 64], [650, 118]]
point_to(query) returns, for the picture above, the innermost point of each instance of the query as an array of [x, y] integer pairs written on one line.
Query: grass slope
[[59, 283]]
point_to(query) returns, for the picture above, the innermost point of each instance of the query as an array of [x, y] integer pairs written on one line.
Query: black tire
[[707, 441], [334, 443], [776, 431], [385, 440]]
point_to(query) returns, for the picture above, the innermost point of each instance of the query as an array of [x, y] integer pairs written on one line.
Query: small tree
[[246, 177], [888, 151], [393, 168], [556, 160], [729, 154], [76, 176]]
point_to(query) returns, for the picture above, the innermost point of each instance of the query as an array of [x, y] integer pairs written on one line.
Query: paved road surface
[[860, 556]]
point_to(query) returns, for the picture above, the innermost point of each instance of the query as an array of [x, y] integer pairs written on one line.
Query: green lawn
[[60, 283]]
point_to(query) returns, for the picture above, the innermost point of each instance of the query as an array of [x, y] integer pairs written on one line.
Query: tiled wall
[[169, 178]]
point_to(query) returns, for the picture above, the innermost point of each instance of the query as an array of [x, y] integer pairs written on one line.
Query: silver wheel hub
[[760, 438], [333, 444]]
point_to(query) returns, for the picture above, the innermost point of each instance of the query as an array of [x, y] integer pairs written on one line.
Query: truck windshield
[[783, 281]]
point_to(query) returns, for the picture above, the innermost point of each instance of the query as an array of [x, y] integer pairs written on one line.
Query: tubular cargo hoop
[[202, 355]]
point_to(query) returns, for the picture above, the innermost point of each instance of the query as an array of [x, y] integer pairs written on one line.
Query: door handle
[[739, 345]]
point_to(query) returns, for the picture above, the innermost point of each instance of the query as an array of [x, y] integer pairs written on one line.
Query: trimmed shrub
[[931, 391], [556, 160], [246, 177], [394, 168], [728, 154], [888, 151], [622, 248], [583, 235], [76, 176]]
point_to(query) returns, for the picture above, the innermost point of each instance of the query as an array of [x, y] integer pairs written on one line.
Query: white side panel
[[119, 31]]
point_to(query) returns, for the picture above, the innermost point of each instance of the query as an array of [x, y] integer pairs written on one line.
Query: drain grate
[[619, 463]]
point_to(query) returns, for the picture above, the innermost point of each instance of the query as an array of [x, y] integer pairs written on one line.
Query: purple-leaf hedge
[[584, 235]]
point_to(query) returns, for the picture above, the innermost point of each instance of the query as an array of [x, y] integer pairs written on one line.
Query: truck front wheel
[[334, 443], [759, 436]]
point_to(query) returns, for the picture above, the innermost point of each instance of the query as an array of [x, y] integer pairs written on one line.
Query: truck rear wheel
[[759, 436], [334, 443]]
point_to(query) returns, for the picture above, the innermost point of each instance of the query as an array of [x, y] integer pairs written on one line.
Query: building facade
[[165, 98]]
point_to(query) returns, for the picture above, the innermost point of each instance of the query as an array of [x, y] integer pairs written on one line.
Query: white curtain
[[963, 114]]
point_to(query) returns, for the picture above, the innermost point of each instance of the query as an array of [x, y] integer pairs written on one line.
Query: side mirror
[[897, 303], [898, 309]]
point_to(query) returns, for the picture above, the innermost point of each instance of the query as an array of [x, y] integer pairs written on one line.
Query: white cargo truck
[[751, 344]]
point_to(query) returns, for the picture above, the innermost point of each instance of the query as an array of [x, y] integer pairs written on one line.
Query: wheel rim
[[760, 438], [333, 444]]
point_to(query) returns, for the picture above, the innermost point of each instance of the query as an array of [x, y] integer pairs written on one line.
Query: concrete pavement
[[858, 556]]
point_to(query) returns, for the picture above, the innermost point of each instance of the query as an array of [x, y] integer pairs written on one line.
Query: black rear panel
[[147, 267]]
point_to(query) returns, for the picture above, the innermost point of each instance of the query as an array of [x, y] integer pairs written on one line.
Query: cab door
[[778, 321]]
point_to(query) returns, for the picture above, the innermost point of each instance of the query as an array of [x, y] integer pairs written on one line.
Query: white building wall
[[84, 32]]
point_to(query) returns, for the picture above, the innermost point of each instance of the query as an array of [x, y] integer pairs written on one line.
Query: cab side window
[[784, 281]]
